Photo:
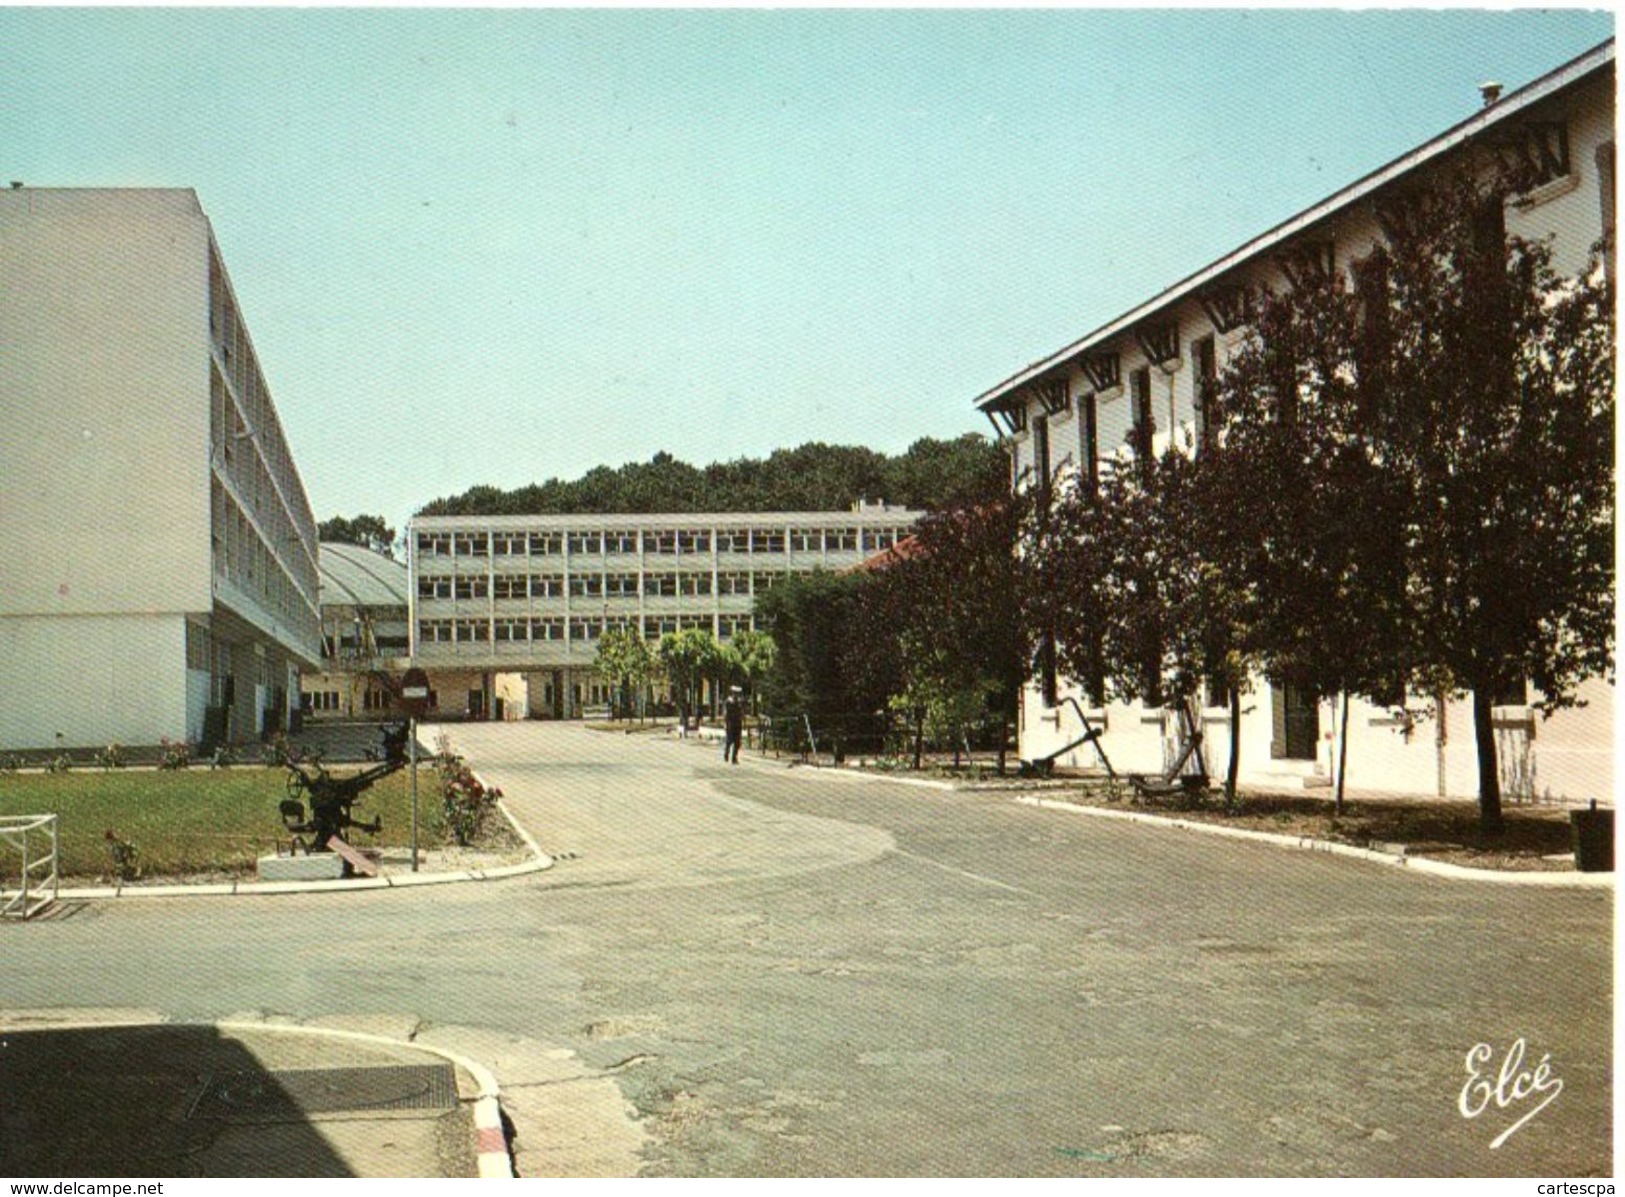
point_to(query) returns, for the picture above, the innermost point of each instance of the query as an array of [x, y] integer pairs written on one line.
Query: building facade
[[1133, 386], [511, 608], [365, 637], [156, 544]]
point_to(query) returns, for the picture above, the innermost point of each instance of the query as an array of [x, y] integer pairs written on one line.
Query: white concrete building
[[496, 597], [157, 552], [1133, 384]]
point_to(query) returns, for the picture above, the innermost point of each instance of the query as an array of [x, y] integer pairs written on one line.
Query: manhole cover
[[256, 1096]]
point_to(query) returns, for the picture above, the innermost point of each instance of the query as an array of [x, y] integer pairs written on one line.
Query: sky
[[496, 246]]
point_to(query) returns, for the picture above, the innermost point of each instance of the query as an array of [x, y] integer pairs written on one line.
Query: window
[[660, 542], [584, 631], [546, 585], [1041, 477], [1090, 433], [733, 582], [472, 586], [471, 544], [763, 582], [375, 700], [660, 585], [1205, 366], [1142, 435], [841, 540], [435, 631], [508, 544], [729, 626], [470, 631], [547, 629], [621, 585], [693, 584], [693, 542], [693, 621], [881, 539], [766, 540], [737, 541], [587, 585], [512, 629], [806, 540], [655, 627], [545, 544], [620, 542], [510, 586], [434, 544], [434, 586], [585, 543]]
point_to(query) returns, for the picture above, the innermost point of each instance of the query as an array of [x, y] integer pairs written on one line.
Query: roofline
[[520, 523], [355, 559], [1531, 93]]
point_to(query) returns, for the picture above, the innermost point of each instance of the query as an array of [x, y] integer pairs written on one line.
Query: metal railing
[[35, 839]]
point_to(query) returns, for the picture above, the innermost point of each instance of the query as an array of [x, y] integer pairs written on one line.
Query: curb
[[1418, 864], [492, 1153], [490, 1140], [538, 862]]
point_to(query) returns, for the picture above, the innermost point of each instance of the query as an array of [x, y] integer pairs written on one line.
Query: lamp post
[[415, 698]]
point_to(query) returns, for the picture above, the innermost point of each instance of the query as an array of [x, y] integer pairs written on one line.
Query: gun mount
[[332, 798]]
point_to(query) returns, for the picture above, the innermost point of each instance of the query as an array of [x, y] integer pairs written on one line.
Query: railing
[[35, 839], [835, 737]]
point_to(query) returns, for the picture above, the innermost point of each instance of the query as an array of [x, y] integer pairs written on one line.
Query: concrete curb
[[492, 1153], [538, 862], [1419, 864], [490, 1140]]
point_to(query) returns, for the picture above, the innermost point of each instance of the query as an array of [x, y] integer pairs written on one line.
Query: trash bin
[[1593, 839]]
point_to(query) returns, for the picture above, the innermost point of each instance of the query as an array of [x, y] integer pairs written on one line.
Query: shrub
[[124, 855], [465, 801], [175, 754]]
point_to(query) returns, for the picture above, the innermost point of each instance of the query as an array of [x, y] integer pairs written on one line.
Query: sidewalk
[[121, 1095]]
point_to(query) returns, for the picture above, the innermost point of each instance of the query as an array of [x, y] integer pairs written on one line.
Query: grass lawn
[[194, 821]]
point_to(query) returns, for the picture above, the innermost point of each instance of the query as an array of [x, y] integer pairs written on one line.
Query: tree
[[688, 657], [368, 531], [951, 604], [756, 652], [1295, 463], [1470, 397], [625, 661]]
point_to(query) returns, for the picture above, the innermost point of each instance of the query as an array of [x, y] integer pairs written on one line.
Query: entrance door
[[1295, 713]]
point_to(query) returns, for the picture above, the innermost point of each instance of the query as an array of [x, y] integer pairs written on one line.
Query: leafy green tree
[[368, 531], [689, 658], [625, 661], [1470, 395], [755, 652]]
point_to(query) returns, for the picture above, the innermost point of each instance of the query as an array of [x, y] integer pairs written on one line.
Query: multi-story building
[[158, 573], [1133, 386], [530, 595], [365, 638]]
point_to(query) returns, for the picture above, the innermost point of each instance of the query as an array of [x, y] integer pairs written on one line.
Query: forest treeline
[[929, 476]]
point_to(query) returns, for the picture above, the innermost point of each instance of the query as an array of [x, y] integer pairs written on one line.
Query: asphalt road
[[795, 975]]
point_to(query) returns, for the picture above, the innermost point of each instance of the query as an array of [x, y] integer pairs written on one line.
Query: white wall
[[104, 428], [97, 679]]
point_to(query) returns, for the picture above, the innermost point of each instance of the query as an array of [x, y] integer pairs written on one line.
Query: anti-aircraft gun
[[331, 798]]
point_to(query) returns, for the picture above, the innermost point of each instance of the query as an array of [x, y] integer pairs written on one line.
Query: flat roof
[[660, 520], [1507, 106]]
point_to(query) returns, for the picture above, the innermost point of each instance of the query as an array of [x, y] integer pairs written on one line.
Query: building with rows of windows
[[157, 548], [1135, 385], [507, 611]]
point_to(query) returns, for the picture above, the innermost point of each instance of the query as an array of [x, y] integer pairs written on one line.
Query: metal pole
[[412, 749]]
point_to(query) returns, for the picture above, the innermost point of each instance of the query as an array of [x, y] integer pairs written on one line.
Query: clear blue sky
[[498, 246]]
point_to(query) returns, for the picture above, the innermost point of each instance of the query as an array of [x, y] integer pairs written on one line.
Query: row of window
[[666, 543], [577, 630], [599, 586]]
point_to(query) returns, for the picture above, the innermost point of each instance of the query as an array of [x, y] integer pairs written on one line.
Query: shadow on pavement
[[150, 1101]]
